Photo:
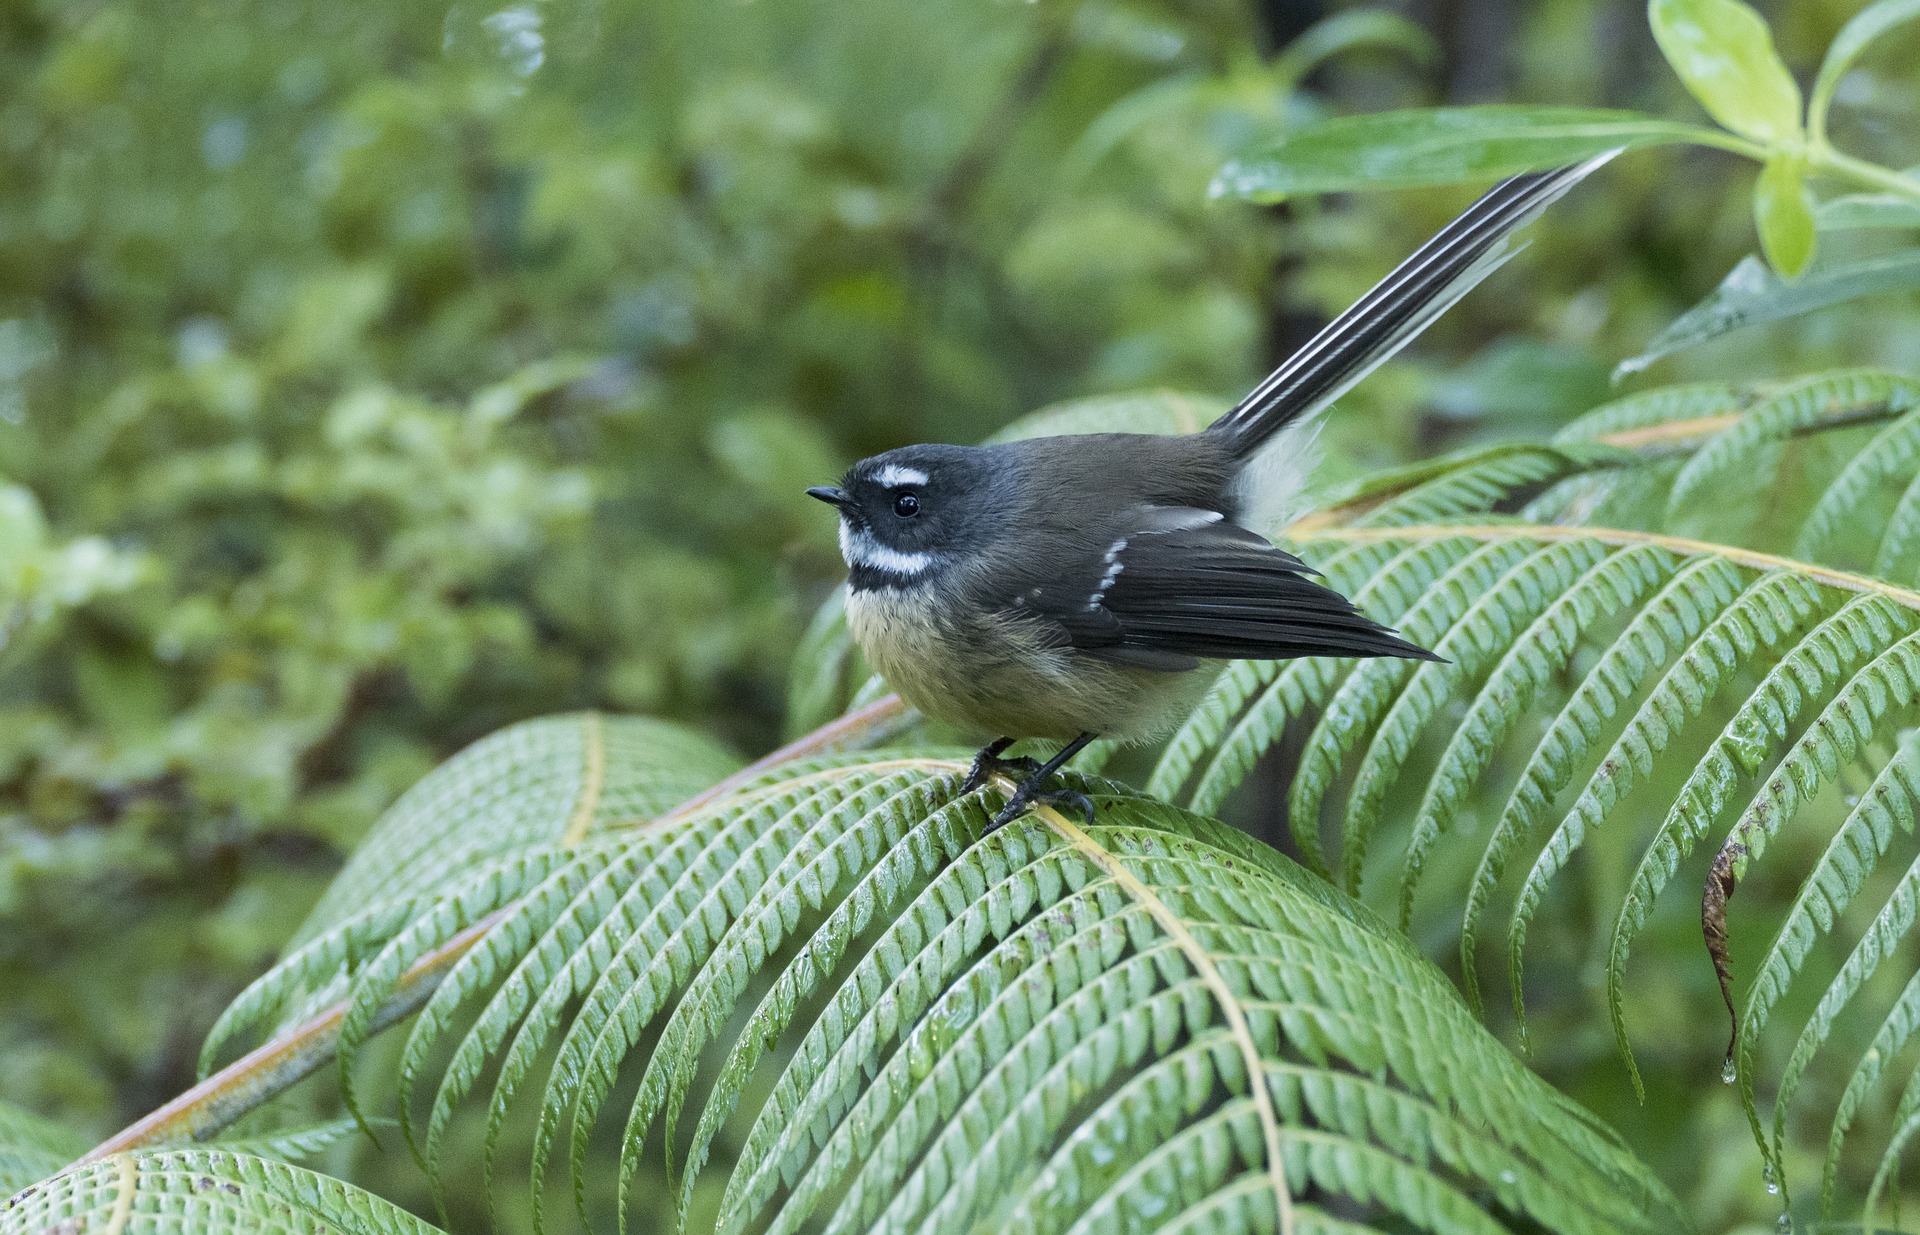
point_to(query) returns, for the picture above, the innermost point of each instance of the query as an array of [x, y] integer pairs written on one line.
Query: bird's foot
[[1028, 796], [1033, 790], [989, 763]]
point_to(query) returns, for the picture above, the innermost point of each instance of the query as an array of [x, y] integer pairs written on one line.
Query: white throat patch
[[859, 548]]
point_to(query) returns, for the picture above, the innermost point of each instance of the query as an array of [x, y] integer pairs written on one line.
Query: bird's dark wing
[[1183, 584]]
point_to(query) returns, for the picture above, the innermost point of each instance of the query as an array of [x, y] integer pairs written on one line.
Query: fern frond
[[1876, 946], [1885, 465], [1896, 1030], [827, 668], [1614, 581], [1843, 650], [1888, 805], [1486, 478], [1494, 623], [1668, 414], [1829, 400], [532, 944], [294, 1144], [1235, 724], [1607, 449], [550, 781], [33, 1147], [1756, 621], [1906, 1122], [325, 961], [1181, 1026], [1713, 460], [210, 1191], [1693, 596], [1735, 687], [1359, 704], [1896, 558]]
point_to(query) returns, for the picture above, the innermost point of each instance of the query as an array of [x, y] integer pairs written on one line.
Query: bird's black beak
[[832, 495]]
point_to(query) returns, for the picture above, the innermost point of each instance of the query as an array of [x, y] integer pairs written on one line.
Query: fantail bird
[[1071, 587]]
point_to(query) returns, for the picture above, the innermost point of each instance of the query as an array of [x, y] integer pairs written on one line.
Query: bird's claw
[[989, 763], [1026, 797], [1033, 784]]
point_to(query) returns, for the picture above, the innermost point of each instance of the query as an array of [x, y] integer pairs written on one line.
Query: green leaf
[[1752, 294], [1783, 213], [1867, 25], [532, 784], [1867, 210], [1885, 809], [924, 1024], [205, 1191], [1442, 145], [1723, 52], [1652, 409], [1249, 89], [1157, 101], [33, 1147], [294, 1144], [1353, 30], [1734, 455], [1800, 679]]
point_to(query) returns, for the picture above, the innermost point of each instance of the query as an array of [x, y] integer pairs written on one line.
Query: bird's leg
[[988, 762], [1033, 790]]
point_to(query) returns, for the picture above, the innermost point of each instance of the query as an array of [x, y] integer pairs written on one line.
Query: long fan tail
[[1400, 306]]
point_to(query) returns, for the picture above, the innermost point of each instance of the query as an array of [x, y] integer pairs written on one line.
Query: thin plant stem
[[1836, 162]]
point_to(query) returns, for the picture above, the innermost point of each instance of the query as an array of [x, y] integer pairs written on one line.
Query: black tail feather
[[1399, 307]]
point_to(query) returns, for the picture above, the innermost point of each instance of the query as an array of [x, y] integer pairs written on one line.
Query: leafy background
[[372, 376]]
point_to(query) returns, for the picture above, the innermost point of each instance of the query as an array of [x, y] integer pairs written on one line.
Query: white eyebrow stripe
[[892, 476], [860, 549]]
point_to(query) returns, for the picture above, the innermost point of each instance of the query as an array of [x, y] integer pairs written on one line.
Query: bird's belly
[[996, 675]]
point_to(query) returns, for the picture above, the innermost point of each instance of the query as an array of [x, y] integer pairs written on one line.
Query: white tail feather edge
[[1275, 488]]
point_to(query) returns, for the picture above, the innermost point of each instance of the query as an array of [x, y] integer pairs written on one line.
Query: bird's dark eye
[[906, 505]]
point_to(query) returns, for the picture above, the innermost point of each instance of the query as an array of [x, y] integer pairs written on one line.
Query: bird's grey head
[[909, 514]]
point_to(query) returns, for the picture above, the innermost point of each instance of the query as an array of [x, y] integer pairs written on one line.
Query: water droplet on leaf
[[1728, 1073]]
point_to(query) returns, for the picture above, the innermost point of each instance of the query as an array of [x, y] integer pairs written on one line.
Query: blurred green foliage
[[375, 375]]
